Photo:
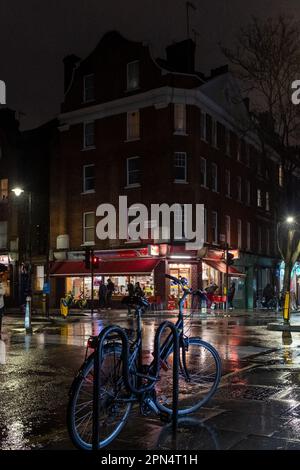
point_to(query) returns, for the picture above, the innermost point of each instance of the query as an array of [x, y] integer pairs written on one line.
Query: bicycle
[[199, 376], [70, 301]]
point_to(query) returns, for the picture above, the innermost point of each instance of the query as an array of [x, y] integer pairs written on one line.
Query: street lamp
[[18, 191], [290, 220]]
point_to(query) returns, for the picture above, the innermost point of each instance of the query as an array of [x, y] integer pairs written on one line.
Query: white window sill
[[133, 139], [84, 149], [181, 182], [204, 140], [204, 186], [90, 191], [215, 191], [133, 186], [88, 244]]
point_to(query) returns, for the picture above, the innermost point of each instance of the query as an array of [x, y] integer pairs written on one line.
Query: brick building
[[158, 131], [24, 220]]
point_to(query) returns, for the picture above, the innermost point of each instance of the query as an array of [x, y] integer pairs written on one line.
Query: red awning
[[221, 266], [77, 268]]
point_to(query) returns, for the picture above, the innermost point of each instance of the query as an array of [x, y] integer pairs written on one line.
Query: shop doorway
[[180, 270]]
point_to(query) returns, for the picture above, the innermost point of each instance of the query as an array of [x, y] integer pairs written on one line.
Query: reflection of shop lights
[[181, 257]]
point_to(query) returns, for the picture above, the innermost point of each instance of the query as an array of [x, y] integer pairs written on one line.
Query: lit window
[[89, 134], [214, 177], [88, 88], [3, 234], [203, 175], [267, 201], [88, 228], [88, 178], [133, 171], [133, 125], [180, 118], [39, 278], [133, 75], [259, 198], [280, 175], [3, 189], [180, 167]]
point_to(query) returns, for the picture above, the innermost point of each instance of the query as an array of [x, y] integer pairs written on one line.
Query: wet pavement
[[257, 405]]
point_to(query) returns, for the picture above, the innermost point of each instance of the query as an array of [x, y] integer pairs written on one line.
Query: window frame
[[91, 146], [85, 77], [131, 88], [178, 117], [203, 160], [214, 181], [176, 180], [128, 184], [130, 134], [84, 178], [85, 227]]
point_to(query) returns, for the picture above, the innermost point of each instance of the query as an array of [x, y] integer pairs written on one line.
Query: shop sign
[[153, 250]]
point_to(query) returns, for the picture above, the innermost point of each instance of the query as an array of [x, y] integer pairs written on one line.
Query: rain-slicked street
[[257, 405]]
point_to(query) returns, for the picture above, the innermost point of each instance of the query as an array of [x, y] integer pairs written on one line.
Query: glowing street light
[[290, 220], [18, 191]]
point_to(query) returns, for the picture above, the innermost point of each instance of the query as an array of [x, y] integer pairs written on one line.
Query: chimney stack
[[69, 64], [181, 56]]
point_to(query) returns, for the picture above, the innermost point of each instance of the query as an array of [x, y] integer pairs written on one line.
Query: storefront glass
[[209, 276], [179, 270], [81, 286]]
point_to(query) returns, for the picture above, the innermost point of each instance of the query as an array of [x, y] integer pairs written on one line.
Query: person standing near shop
[[102, 295], [110, 290], [231, 293], [130, 289], [138, 291]]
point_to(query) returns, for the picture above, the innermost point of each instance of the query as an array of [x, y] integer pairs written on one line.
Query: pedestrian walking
[[130, 289], [138, 291], [231, 293], [110, 290], [102, 295]]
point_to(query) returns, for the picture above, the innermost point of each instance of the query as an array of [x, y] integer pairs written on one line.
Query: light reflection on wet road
[[36, 372]]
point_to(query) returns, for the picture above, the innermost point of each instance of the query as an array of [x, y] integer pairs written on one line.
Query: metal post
[[92, 281], [226, 280], [27, 322]]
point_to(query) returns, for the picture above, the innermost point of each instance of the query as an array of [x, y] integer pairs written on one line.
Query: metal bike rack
[[114, 329]]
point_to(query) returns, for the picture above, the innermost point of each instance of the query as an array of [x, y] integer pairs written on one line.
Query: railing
[[102, 338]]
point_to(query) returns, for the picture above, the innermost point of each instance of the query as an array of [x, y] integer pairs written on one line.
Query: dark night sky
[[35, 35]]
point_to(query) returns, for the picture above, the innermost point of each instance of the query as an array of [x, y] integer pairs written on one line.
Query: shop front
[[72, 276]]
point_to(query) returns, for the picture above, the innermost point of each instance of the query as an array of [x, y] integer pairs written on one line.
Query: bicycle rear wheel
[[114, 409], [198, 379]]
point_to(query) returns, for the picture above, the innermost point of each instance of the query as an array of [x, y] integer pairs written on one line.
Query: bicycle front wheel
[[199, 376], [114, 405]]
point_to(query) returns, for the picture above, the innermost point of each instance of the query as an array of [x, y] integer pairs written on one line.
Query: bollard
[[286, 308], [27, 322], [44, 306]]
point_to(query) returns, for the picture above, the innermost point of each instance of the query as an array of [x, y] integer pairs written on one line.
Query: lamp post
[[290, 221], [18, 191]]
